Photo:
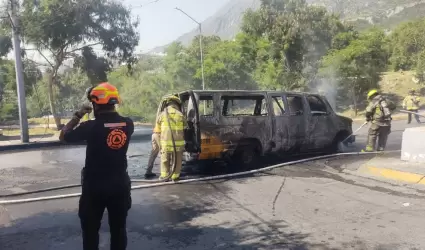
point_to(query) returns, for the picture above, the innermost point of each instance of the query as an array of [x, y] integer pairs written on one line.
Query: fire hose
[[224, 176], [173, 168], [410, 112], [133, 180], [174, 164]]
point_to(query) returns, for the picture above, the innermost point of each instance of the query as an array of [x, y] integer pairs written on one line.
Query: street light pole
[[200, 46], [202, 56]]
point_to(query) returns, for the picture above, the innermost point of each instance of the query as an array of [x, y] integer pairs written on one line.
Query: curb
[[392, 174]]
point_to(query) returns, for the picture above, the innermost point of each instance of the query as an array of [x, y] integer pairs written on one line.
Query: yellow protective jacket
[[157, 128], [411, 102], [379, 111], [177, 124]]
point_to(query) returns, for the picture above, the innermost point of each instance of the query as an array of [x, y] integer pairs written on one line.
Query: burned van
[[241, 126]]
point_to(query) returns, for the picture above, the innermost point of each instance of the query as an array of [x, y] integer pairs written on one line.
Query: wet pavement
[[305, 206]]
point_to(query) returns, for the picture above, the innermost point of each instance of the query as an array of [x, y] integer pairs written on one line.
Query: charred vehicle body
[[241, 126]]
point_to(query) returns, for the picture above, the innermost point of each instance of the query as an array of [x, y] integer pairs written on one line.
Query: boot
[[150, 175]]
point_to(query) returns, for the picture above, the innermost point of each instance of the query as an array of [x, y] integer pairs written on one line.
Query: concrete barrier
[[413, 145]]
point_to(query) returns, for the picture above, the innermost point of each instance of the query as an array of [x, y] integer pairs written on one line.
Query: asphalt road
[[308, 206]]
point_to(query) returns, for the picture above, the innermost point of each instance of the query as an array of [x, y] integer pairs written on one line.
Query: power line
[[145, 4]]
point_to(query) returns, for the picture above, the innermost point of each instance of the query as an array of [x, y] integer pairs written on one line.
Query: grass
[[32, 132], [44, 121]]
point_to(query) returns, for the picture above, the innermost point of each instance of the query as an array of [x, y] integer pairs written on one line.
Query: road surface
[[308, 206]]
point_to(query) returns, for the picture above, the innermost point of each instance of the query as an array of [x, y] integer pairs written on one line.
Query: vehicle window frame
[[201, 111], [302, 103], [326, 112], [283, 97], [258, 98]]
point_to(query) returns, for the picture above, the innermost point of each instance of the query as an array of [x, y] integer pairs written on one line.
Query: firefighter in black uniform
[[105, 181]]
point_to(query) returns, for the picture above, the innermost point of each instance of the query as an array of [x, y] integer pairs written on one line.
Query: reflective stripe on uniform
[[175, 122], [157, 129]]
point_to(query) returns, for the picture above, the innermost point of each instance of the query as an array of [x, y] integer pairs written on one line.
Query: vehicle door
[[193, 131], [321, 128], [209, 111], [297, 123], [280, 122], [246, 116]]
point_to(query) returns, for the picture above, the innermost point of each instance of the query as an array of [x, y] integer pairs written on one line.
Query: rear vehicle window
[[316, 104], [244, 106], [278, 106], [296, 106]]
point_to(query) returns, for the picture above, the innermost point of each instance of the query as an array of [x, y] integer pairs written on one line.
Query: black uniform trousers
[[93, 201]]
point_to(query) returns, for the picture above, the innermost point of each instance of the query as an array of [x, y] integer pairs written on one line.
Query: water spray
[[357, 130]]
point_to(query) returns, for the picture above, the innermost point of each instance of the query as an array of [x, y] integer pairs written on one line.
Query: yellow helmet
[[172, 98], [371, 93]]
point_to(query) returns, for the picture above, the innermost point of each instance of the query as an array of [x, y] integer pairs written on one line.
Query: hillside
[[361, 13]]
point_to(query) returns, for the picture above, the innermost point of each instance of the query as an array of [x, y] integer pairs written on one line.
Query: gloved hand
[[85, 109]]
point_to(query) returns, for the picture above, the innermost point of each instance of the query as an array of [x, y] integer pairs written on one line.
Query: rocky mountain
[[361, 13]]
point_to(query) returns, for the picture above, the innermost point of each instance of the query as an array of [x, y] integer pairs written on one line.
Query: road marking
[[395, 175]]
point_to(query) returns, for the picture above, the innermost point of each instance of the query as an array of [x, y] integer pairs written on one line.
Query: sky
[[161, 23]]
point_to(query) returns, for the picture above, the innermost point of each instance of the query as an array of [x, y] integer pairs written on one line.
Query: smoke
[[327, 85], [329, 88]]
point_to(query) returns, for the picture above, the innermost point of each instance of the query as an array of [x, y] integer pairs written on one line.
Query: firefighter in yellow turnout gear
[[411, 103], [171, 123], [378, 112]]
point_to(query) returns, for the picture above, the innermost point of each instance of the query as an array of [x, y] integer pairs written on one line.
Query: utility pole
[[202, 55], [23, 119]]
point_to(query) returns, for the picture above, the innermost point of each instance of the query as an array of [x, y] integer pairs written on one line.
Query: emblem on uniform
[[116, 139]]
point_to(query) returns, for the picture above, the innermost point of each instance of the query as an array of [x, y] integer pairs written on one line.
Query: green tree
[[225, 68], [63, 28], [283, 41], [95, 67], [420, 67], [358, 66], [407, 42]]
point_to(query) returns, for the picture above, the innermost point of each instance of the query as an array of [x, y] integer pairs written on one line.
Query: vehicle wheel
[[246, 158], [337, 145]]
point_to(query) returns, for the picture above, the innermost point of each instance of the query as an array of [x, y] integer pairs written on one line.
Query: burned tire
[[246, 157], [337, 146]]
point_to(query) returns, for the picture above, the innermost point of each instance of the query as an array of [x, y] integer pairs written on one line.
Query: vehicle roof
[[249, 92]]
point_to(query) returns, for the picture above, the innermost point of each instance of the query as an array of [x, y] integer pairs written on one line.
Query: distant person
[[156, 137], [378, 112], [411, 103], [105, 181]]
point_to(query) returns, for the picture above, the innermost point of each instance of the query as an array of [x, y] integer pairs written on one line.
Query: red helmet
[[104, 93]]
